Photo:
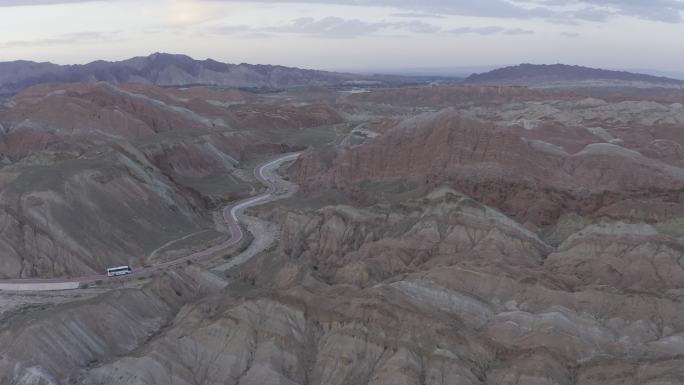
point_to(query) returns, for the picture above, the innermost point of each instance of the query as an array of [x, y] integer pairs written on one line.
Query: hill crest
[[569, 76]]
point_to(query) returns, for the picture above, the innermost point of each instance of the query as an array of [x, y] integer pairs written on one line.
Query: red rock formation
[[532, 180]]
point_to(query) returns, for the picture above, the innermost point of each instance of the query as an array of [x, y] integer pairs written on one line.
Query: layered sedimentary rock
[[532, 239], [517, 170], [97, 174]]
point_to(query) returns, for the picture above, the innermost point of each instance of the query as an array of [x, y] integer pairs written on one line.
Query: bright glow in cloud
[[186, 12]]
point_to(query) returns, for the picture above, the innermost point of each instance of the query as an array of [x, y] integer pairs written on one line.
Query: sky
[[351, 34]]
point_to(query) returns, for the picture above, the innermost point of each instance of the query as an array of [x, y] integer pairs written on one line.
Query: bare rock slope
[[531, 238], [97, 174]]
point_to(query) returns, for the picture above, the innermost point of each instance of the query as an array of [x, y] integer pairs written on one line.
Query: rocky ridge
[[566, 76], [164, 69]]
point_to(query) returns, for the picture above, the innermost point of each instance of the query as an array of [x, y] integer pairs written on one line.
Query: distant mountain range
[[169, 70], [447, 72], [566, 76], [179, 70]]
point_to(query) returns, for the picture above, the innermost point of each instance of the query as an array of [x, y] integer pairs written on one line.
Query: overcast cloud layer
[[588, 10], [591, 10], [350, 34]]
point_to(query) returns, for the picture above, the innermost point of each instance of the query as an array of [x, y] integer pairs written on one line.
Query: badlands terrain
[[464, 234]]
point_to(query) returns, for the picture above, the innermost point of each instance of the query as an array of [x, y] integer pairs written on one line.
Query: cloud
[[328, 27], [481, 8], [476, 30], [181, 13], [417, 15], [336, 27], [568, 11], [570, 34], [64, 39], [19, 3], [415, 26], [518, 31], [491, 30], [669, 11]]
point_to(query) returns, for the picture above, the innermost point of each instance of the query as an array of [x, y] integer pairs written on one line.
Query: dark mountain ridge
[[178, 70], [561, 75]]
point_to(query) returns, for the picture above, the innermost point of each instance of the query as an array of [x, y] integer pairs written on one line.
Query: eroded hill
[[446, 235], [97, 175]]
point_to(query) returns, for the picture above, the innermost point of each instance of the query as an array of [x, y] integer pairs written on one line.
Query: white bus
[[121, 270]]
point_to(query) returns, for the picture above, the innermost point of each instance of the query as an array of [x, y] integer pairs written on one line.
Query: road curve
[[230, 216]]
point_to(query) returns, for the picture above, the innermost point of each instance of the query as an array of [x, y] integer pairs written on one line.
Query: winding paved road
[[230, 216]]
